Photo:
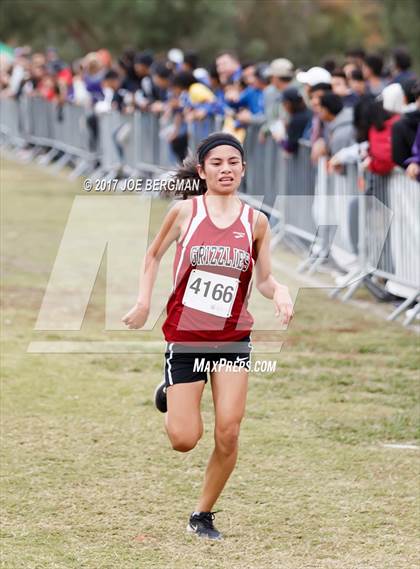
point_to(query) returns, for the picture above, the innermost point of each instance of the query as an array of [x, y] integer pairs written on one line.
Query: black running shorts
[[185, 364]]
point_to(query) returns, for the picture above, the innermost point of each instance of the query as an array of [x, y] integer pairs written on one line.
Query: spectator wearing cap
[[340, 87], [314, 76], [338, 120], [175, 59], [316, 82], [316, 129], [372, 72], [299, 119], [393, 98], [401, 66], [280, 72]]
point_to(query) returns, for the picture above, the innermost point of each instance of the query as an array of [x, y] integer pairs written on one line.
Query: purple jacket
[[415, 150], [415, 157]]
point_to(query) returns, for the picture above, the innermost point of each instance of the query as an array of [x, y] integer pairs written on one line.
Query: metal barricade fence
[[389, 238], [138, 142], [263, 179], [147, 138], [60, 128], [299, 180], [198, 130], [146, 149], [151, 146], [71, 120], [345, 196], [392, 237], [394, 216], [10, 127], [404, 200], [377, 220], [280, 177], [111, 142], [39, 121]]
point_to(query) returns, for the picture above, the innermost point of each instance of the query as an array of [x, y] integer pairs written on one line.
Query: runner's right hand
[[136, 317]]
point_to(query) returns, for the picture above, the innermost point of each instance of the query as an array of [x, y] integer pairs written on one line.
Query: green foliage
[[401, 22], [303, 30]]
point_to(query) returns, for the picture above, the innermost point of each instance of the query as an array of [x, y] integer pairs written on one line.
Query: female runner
[[219, 239]]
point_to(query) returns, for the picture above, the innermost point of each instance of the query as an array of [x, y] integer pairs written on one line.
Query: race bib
[[210, 292]]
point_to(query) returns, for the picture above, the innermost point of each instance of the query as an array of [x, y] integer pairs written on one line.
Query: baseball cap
[[175, 55], [291, 94], [314, 75], [280, 67], [261, 71], [202, 75], [393, 98]]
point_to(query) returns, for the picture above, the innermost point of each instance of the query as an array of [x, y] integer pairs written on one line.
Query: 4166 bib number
[[210, 292]]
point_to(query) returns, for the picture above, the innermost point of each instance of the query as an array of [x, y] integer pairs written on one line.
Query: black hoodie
[[403, 135]]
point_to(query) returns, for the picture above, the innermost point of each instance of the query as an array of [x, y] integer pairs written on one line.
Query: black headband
[[219, 140]]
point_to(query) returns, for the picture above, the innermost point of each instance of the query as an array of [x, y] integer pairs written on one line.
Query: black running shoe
[[160, 397], [202, 525]]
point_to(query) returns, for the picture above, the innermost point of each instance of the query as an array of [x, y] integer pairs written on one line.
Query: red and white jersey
[[212, 280]]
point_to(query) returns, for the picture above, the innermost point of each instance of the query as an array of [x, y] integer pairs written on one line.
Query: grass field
[[90, 480]]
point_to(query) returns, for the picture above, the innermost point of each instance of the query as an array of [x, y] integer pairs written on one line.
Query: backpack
[[380, 148]]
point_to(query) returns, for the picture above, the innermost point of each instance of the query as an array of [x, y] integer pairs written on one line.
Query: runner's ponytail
[[188, 171]]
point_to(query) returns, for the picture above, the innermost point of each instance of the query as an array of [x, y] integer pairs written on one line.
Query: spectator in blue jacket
[[249, 103]]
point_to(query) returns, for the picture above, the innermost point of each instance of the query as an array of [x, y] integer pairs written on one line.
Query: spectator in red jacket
[[379, 160]]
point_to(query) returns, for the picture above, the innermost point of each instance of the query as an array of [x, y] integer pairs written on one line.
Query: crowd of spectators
[[360, 107]]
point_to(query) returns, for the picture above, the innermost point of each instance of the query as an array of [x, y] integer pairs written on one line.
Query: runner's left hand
[[136, 317], [283, 304]]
